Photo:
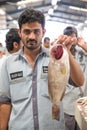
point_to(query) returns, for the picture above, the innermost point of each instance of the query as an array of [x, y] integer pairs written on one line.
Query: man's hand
[[68, 41]]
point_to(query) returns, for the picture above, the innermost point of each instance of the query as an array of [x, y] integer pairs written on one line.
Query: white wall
[[54, 29], [2, 36]]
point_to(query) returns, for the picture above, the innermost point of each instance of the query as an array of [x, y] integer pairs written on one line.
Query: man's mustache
[[31, 40]]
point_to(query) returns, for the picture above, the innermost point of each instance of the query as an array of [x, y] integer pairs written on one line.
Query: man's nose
[[32, 35]]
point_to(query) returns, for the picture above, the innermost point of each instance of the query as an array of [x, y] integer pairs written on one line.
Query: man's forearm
[[84, 47], [76, 71], [5, 110]]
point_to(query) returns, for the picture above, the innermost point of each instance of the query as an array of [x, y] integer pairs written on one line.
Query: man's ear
[[44, 31], [19, 32], [15, 44]]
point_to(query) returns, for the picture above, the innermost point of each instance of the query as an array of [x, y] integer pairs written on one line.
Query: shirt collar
[[43, 51]]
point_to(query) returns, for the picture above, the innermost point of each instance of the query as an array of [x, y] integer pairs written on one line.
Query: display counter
[[81, 113]]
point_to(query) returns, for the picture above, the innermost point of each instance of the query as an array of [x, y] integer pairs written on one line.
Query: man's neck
[[31, 55]]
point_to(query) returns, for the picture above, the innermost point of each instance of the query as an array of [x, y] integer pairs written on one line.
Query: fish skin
[[58, 76]]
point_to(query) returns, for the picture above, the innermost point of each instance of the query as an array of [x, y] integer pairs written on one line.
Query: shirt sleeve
[[4, 84]]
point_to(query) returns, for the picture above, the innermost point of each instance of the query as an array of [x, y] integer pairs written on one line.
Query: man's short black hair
[[11, 37], [31, 15], [69, 30], [46, 39]]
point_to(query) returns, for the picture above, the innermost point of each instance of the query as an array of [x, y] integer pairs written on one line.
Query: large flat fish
[[58, 76]]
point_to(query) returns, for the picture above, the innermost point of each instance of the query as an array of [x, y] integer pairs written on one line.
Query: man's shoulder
[[12, 56]]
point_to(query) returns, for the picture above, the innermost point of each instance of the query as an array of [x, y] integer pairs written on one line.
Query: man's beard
[[31, 47], [31, 42]]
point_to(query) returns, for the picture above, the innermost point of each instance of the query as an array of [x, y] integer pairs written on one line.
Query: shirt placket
[[34, 99]]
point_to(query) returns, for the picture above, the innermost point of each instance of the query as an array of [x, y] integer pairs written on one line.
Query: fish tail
[[56, 111]]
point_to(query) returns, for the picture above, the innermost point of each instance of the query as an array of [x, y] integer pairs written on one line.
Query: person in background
[[72, 91], [2, 54], [72, 32], [24, 98], [13, 44], [82, 44], [46, 42], [81, 57], [2, 50], [13, 41]]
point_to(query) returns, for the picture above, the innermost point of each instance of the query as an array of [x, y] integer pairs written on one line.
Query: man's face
[[73, 35], [31, 35], [47, 43]]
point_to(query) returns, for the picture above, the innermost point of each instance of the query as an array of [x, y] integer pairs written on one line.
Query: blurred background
[[58, 13]]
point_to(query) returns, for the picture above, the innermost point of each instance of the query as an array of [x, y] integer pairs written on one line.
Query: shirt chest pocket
[[43, 81], [19, 89]]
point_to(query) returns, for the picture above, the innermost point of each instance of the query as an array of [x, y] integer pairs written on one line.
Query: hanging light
[[50, 11], [53, 2]]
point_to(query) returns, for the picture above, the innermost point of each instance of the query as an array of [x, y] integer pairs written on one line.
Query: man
[[71, 31], [13, 44], [46, 42], [2, 54], [24, 95], [2, 51], [13, 41], [72, 91]]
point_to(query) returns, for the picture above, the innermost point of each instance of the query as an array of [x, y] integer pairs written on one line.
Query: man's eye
[[37, 31], [27, 31]]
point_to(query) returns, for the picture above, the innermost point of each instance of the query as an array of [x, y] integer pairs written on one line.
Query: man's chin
[[31, 47]]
